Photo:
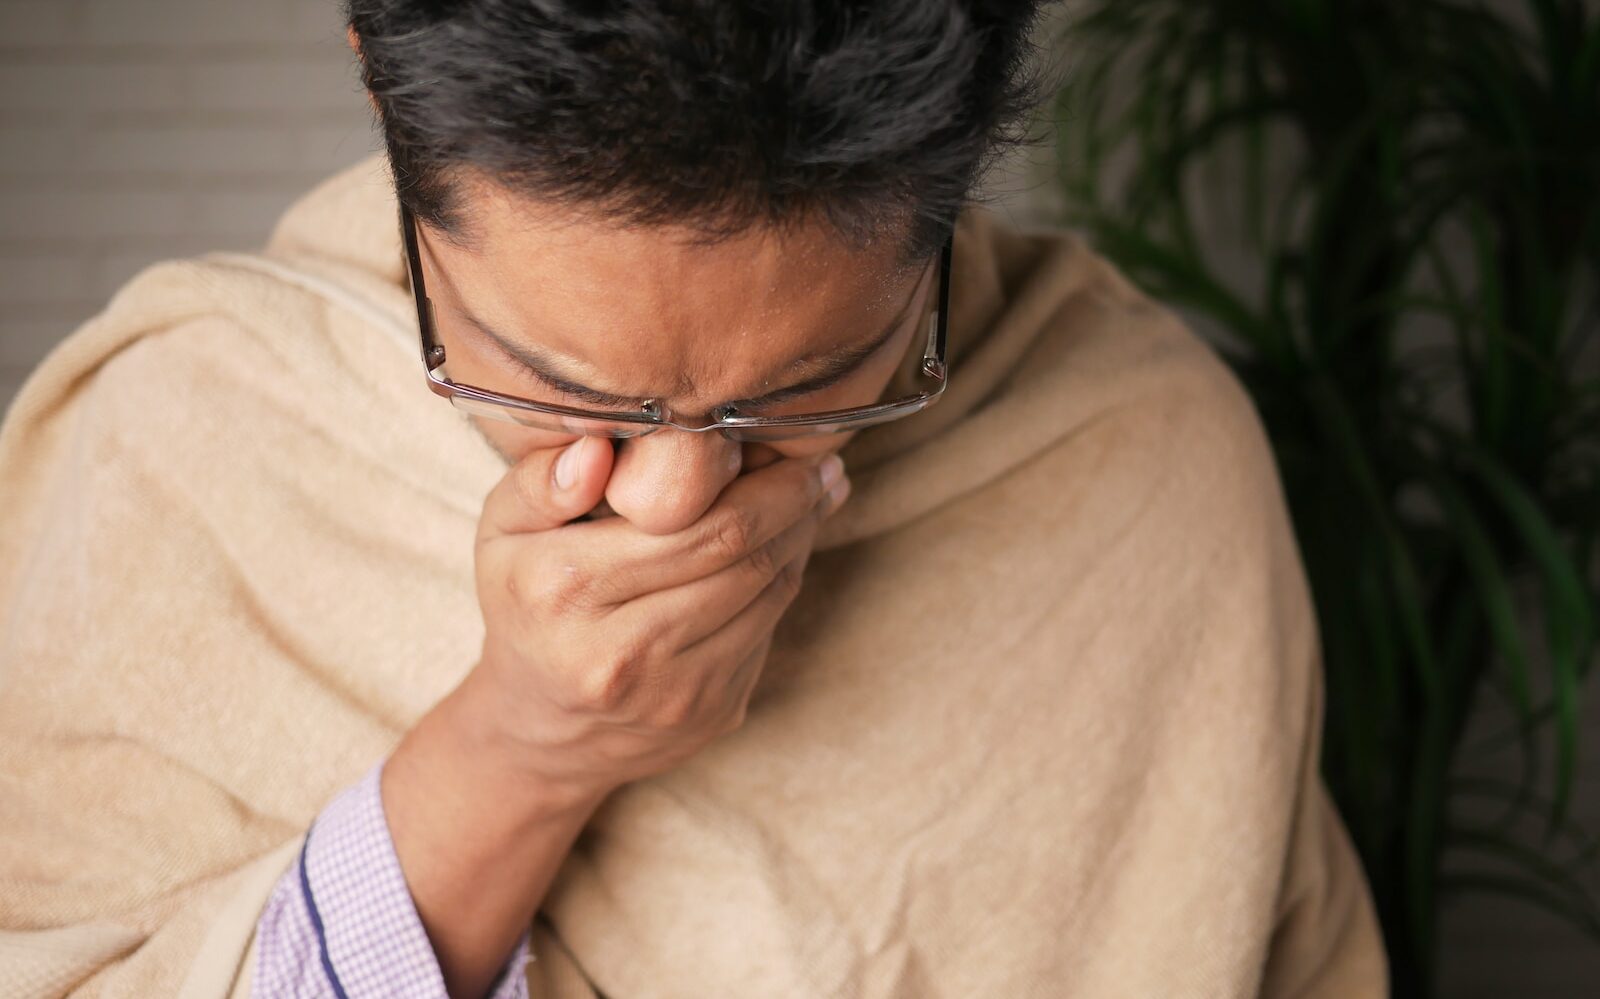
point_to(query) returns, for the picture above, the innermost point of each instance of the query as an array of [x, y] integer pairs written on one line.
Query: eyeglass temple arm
[[408, 232], [933, 357]]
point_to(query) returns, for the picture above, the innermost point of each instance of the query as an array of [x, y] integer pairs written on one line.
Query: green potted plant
[[1412, 302]]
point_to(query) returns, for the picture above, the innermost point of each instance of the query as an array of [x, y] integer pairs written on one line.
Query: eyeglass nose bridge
[[661, 417]]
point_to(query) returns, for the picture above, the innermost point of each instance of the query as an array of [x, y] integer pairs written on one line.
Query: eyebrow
[[835, 365]]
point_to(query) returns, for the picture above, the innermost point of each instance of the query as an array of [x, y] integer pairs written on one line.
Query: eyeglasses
[[917, 383]]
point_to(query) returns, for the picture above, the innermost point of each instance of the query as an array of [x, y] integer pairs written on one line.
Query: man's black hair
[[712, 114]]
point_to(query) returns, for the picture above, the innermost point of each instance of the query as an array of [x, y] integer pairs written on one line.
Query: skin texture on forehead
[[655, 312]]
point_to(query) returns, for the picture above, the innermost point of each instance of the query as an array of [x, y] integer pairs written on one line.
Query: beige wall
[[133, 130]]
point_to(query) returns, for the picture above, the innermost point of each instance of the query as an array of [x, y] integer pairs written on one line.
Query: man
[[319, 684]]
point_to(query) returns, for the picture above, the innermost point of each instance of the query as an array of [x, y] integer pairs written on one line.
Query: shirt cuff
[[371, 940]]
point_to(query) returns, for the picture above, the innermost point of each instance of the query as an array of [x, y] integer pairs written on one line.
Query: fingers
[[751, 511], [750, 629], [700, 607], [740, 685], [547, 488]]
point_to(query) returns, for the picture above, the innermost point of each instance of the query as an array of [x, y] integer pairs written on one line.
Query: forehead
[[657, 310]]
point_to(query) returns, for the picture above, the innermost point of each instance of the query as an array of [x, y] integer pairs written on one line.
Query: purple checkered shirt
[[341, 924]]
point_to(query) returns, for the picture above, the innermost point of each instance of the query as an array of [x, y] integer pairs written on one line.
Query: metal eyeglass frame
[[652, 415]]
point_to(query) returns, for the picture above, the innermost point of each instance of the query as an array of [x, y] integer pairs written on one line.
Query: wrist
[[479, 724], [479, 839]]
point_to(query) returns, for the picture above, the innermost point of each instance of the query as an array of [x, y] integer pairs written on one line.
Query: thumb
[[547, 488]]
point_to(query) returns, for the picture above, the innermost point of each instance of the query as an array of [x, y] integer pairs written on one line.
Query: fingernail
[[837, 495], [832, 468], [567, 465]]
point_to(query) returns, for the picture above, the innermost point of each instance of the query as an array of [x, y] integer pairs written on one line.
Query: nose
[[665, 481]]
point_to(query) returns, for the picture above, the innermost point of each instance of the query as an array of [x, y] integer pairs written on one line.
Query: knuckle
[[678, 711], [599, 688], [732, 531], [565, 590], [558, 585], [763, 561], [608, 685], [521, 583], [787, 581], [550, 587], [528, 486]]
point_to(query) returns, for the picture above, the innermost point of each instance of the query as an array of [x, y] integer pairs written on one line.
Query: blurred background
[[1383, 213]]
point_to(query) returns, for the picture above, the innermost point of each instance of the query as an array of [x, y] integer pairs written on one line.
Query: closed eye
[[840, 365]]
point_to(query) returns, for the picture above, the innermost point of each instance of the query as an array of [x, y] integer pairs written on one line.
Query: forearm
[[478, 838]]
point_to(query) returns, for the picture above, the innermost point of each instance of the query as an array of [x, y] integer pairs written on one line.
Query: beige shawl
[[1043, 721]]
